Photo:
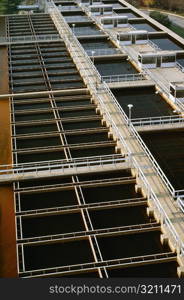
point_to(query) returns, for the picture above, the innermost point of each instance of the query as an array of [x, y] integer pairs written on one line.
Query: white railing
[[162, 120], [68, 8], [180, 67], [165, 220], [180, 202], [123, 77], [86, 31], [64, 164], [29, 39], [180, 103], [101, 52], [153, 161]]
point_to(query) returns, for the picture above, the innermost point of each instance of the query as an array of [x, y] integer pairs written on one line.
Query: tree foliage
[[148, 2], [9, 6], [163, 19]]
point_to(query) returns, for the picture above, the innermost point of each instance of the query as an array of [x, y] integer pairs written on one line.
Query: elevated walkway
[[159, 123], [64, 168]]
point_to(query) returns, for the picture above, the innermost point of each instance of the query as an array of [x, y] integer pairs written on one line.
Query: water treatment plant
[[91, 143]]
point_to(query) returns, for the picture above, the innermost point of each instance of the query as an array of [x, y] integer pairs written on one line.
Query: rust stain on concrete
[[8, 263]]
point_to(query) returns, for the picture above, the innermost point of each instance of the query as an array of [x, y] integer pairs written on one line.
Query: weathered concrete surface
[[8, 264]]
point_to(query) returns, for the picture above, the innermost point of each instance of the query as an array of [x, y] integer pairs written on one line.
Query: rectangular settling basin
[[145, 26], [121, 246], [166, 44], [40, 200], [57, 254], [145, 102], [109, 193], [90, 44], [52, 224], [120, 216], [158, 270], [114, 67], [167, 148]]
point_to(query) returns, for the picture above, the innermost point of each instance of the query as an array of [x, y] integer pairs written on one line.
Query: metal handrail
[[173, 119], [63, 164], [99, 52], [81, 183], [82, 233], [29, 38], [152, 44], [153, 161], [180, 202], [79, 31], [123, 77]]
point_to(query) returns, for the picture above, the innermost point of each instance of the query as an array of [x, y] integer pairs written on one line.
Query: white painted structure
[[114, 21], [177, 91], [91, 2], [133, 37], [101, 9], [159, 59]]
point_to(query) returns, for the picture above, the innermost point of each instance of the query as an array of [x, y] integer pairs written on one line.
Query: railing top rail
[[159, 118], [64, 161], [123, 77]]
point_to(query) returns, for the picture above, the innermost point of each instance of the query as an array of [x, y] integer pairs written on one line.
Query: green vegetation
[[9, 6], [161, 18], [177, 29]]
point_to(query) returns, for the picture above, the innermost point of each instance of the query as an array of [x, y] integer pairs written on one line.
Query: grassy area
[[177, 29], [9, 6]]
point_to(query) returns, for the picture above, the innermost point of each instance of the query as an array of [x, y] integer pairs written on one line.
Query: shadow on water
[[167, 148]]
